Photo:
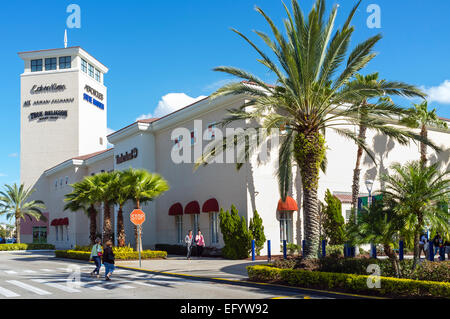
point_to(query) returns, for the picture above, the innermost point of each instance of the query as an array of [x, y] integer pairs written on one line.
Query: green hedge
[[392, 287], [125, 255], [4, 247]]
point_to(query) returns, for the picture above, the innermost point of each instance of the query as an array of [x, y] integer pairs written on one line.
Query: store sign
[[127, 156], [48, 115], [53, 88], [48, 102], [93, 101], [93, 92]]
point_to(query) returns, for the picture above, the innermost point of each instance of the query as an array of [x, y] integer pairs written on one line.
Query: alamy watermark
[[74, 19], [374, 19], [373, 281]]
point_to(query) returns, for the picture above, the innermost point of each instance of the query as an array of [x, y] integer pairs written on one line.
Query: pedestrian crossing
[[54, 281]]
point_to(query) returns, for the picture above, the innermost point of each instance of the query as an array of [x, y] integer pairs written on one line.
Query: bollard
[[345, 250], [353, 251], [253, 249], [284, 249], [323, 247], [442, 253], [430, 251], [268, 250], [374, 251], [400, 250], [303, 247]]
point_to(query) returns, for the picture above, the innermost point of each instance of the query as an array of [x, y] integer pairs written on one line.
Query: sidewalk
[[200, 267]]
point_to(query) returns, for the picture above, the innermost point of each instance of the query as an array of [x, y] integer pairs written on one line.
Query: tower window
[[97, 75], [50, 64], [36, 65], [101, 141], [65, 62], [91, 70], [83, 65]]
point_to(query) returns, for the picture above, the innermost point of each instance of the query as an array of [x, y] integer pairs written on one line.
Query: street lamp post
[[369, 185]]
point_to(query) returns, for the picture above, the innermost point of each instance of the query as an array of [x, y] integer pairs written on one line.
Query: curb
[[253, 284], [26, 250]]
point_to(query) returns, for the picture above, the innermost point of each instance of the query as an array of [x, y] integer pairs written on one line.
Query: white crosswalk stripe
[[28, 287], [29, 271], [11, 272], [62, 287], [8, 293], [46, 270]]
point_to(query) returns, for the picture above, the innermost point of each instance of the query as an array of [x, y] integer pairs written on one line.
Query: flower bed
[[390, 287], [124, 254], [4, 247]]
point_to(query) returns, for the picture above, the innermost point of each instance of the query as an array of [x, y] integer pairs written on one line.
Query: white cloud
[[440, 93], [3, 175], [13, 155], [169, 103]]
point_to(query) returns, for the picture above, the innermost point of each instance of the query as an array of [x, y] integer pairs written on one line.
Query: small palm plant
[[416, 192], [15, 203]]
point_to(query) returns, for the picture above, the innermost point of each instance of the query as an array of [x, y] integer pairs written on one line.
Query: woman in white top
[[96, 255]]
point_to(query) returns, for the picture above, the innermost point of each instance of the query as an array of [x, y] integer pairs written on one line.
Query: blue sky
[[154, 48]]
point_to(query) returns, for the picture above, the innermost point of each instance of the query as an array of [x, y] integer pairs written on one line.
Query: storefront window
[[39, 235], [179, 225], [214, 228], [195, 225], [286, 229]]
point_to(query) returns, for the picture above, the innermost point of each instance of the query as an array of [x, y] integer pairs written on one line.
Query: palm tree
[[309, 98], [415, 190], [15, 202], [143, 187], [81, 199], [122, 194], [420, 117], [370, 79], [100, 188], [378, 224]]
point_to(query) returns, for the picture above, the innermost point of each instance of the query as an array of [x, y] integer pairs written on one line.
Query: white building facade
[[78, 149]]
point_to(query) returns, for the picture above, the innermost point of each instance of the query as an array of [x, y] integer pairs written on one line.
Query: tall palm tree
[[420, 117], [100, 186], [364, 105], [311, 95], [81, 199], [143, 187], [15, 202], [416, 191], [122, 193]]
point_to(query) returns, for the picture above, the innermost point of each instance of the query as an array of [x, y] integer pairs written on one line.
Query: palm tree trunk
[[92, 224], [120, 228], [423, 147], [107, 225], [17, 229], [417, 240], [309, 152], [393, 258], [357, 170]]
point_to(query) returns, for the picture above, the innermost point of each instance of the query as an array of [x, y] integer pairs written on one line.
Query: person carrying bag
[[96, 255]]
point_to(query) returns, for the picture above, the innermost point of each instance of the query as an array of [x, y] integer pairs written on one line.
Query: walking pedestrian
[[436, 243], [108, 260], [200, 242], [189, 240], [96, 255], [423, 240]]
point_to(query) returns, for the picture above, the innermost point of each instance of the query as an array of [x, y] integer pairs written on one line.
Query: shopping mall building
[[64, 138]]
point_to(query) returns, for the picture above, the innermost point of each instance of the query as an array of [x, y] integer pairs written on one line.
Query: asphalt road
[[38, 275]]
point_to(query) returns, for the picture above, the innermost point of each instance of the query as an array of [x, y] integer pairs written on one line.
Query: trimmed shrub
[[181, 250], [432, 271], [257, 230], [119, 255], [349, 282], [4, 247], [236, 236], [334, 223]]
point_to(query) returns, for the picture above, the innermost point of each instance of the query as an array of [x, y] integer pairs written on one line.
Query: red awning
[[290, 204], [192, 208], [65, 221], [176, 209], [211, 205], [53, 223]]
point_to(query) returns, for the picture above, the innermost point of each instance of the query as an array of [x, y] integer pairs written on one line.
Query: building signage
[[47, 88], [46, 102], [127, 156], [93, 92], [93, 101], [48, 115]]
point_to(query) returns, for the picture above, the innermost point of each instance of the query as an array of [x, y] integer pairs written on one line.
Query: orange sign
[[137, 217]]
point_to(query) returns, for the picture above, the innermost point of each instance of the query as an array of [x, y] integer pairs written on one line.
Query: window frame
[[64, 64], [84, 65], [286, 226], [91, 68], [179, 228], [214, 227], [55, 64], [37, 65]]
